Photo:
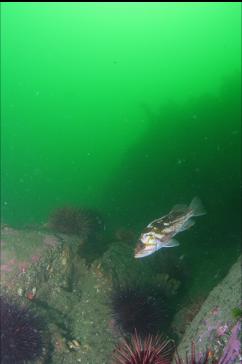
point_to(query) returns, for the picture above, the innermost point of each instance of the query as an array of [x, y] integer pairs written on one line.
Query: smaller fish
[[159, 233]]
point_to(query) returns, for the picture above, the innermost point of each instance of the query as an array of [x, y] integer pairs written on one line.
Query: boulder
[[216, 326]]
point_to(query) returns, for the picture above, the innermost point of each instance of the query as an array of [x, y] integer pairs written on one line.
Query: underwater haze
[[125, 108]]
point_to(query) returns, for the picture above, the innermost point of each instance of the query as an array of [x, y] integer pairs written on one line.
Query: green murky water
[[120, 107], [128, 109]]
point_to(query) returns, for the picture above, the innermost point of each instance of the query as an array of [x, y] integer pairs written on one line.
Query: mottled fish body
[[160, 232]]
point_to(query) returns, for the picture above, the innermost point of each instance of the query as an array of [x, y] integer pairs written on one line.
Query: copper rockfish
[[159, 233]]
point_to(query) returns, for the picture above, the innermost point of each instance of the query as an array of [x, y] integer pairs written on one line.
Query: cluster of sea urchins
[[21, 334], [76, 221], [148, 350], [136, 308]]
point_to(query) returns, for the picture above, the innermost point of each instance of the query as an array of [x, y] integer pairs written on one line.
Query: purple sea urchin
[[150, 350], [137, 308], [21, 336], [72, 220]]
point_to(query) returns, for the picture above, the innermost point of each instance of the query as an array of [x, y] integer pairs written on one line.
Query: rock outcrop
[[216, 326]]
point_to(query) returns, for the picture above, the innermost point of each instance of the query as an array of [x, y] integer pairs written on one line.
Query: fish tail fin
[[197, 207]]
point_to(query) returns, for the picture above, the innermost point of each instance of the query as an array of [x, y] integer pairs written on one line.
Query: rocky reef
[[216, 328], [46, 273]]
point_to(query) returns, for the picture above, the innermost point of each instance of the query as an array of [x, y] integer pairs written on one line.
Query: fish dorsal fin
[[179, 208], [197, 207], [154, 223]]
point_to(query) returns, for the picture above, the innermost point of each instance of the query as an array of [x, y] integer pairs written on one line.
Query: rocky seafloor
[[46, 273]]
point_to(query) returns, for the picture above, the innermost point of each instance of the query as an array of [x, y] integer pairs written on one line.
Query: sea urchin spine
[[150, 350]]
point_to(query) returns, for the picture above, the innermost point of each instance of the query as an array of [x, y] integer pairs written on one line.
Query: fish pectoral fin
[[171, 243], [189, 223]]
